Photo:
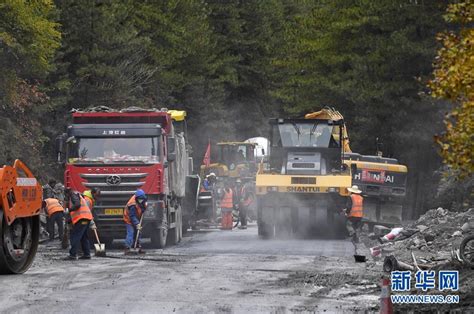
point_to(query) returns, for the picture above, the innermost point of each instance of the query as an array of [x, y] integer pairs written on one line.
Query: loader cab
[[237, 155], [306, 146]]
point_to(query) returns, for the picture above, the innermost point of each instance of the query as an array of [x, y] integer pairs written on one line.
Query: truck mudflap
[[190, 200]]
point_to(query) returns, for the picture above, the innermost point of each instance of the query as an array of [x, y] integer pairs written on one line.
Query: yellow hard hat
[[88, 193]]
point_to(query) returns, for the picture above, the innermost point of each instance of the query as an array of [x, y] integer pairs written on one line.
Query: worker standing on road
[[55, 212], [244, 201], [227, 205], [354, 212], [81, 217], [132, 214]]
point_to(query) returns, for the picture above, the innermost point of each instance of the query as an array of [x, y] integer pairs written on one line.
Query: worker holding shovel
[[355, 212], [132, 216]]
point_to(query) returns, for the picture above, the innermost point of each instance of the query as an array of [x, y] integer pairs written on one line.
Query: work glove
[[93, 226], [66, 211], [139, 227]]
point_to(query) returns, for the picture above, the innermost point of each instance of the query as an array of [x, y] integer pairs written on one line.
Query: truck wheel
[[158, 238], [175, 235], [18, 244]]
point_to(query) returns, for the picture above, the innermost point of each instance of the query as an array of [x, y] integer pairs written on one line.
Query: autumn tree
[[454, 80]]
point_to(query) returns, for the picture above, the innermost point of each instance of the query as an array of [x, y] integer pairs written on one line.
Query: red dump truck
[[122, 151]]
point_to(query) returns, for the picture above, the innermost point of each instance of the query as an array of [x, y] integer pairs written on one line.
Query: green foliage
[[28, 40]]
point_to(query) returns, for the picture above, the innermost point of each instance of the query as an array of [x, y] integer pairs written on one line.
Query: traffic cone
[[386, 306]]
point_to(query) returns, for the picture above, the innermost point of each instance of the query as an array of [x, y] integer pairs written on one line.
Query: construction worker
[[354, 212], [209, 181], [55, 212], [81, 217], [132, 214], [91, 196], [227, 205], [245, 198], [58, 192], [48, 189]]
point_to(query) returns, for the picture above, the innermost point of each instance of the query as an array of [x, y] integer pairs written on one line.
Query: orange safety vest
[[53, 206], [227, 201], [90, 202], [126, 214], [83, 212], [357, 207]]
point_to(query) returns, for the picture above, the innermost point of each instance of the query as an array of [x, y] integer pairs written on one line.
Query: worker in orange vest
[[132, 215], [91, 197], [354, 212], [55, 212], [81, 217], [227, 205], [243, 197]]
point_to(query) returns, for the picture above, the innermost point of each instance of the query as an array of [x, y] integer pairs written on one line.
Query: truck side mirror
[[171, 143], [61, 147]]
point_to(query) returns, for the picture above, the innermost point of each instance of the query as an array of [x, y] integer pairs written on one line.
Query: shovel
[[99, 248], [136, 249]]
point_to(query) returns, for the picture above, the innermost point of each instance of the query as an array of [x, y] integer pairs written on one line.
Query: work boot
[[70, 258], [243, 227], [127, 251], [141, 251], [85, 257]]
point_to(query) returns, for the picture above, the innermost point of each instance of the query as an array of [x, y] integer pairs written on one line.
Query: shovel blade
[[99, 249]]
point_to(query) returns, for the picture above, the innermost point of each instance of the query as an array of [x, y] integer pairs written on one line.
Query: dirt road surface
[[209, 271]]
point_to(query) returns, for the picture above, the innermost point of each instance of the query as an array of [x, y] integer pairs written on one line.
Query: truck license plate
[[114, 211]]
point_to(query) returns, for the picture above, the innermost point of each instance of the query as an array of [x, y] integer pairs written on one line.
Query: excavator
[[382, 180], [20, 205]]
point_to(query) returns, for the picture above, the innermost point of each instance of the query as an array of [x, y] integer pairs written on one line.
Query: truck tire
[[175, 234], [158, 238]]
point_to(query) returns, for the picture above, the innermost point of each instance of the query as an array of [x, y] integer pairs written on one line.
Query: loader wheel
[[18, 244]]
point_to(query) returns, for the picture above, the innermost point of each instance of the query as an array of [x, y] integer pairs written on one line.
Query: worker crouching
[[81, 216], [55, 212], [227, 205], [132, 216]]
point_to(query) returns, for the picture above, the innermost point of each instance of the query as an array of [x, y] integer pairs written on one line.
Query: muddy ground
[[209, 271]]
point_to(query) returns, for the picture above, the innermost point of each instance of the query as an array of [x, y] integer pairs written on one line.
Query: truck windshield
[[114, 150], [305, 135]]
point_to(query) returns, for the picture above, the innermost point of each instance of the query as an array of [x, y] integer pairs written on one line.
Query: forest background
[[232, 64]]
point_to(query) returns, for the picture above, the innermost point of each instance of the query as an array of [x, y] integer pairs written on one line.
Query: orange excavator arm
[[20, 192]]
